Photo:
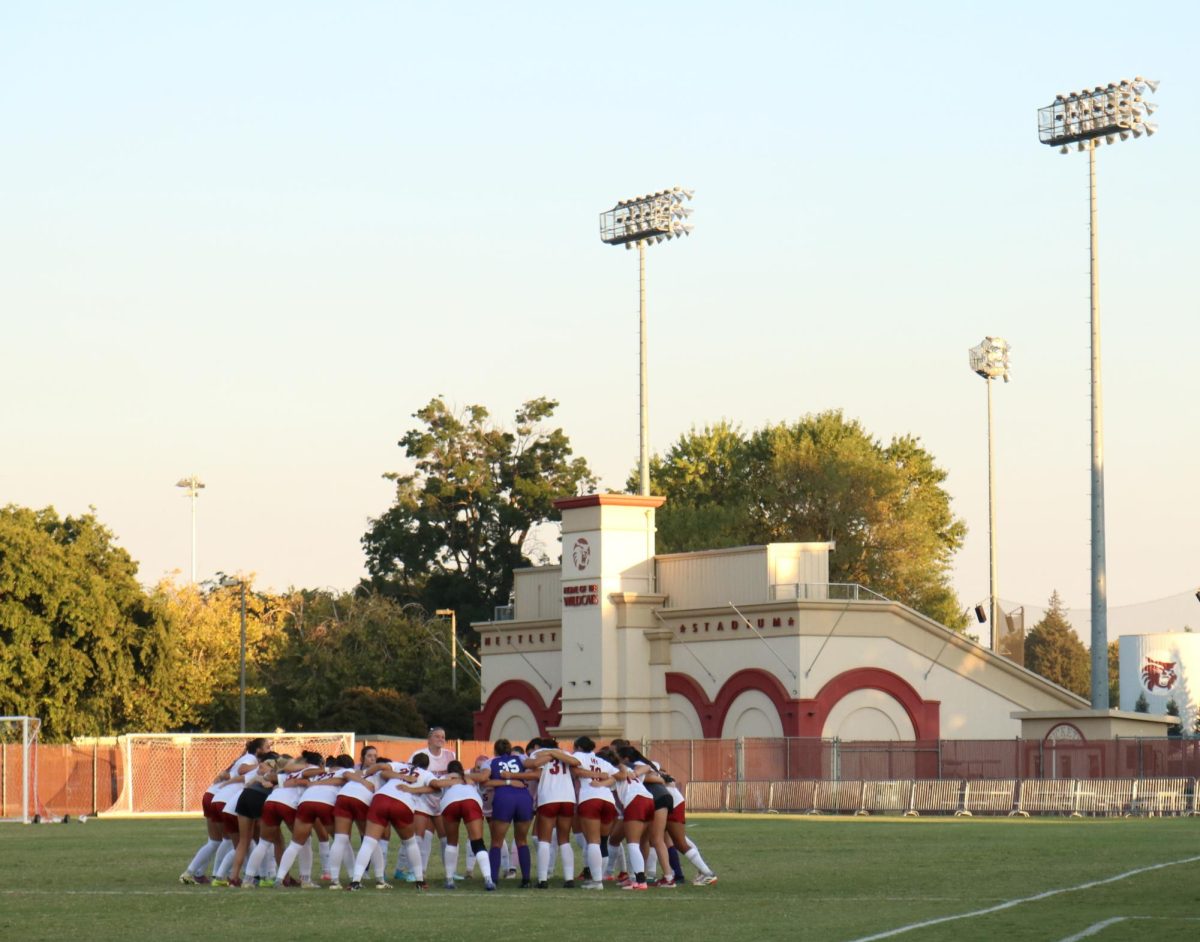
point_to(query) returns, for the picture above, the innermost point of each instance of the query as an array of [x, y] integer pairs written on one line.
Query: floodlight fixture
[[990, 358], [646, 220], [192, 486], [1088, 119]]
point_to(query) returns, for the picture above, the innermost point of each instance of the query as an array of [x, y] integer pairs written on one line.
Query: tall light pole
[[193, 485], [449, 613], [990, 360], [641, 221], [225, 580], [1088, 119]]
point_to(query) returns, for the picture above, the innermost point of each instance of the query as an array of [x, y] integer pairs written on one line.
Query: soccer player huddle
[[621, 809]]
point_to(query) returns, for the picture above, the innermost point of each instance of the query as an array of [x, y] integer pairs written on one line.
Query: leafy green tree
[[1053, 650], [1142, 705], [81, 645], [364, 711], [463, 519], [1114, 674], [822, 477], [1173, 710]]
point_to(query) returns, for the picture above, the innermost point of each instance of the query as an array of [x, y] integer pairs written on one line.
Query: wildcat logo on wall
[[581, 553], [1159, 675], [1160, 669]]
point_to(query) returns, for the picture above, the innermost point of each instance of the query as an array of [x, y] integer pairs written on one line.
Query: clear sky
[[249, 240]]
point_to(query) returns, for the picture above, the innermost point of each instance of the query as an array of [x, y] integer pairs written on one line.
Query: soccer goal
[[167, 773], [18, 767]]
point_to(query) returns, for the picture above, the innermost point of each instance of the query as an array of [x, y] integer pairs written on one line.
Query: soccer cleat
[[610, 877], [543, 885], [401, 874], [235, 882], [187, 878], [591, 885], [334, 886], [704, 879], [664, 884], [411, 878], [326, 877], [489, 886], [309, 885], [449, 885], [568, 884], [421, 885], [202, 880], [218, 881], [634, 886], [354, 885], [289, 880], [512, 874], [267, 882], [623, 877], [459, 876], [586, 875], [383, 885], [526, 884]]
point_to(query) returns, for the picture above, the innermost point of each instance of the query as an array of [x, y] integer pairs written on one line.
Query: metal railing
[[824, 592]]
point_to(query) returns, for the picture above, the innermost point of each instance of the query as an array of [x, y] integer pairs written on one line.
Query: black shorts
[[250, 803], [664, 801]]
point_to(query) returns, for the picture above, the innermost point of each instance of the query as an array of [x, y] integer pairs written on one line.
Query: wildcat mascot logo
[[1159, 675]]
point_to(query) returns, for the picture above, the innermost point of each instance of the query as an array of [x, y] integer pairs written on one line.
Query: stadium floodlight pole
[[990, 360], [449, 613], [193, 486], [1088, 119], [225, 580], [642, 221]]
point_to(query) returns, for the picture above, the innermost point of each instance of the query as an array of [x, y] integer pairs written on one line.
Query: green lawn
[[781, 877]]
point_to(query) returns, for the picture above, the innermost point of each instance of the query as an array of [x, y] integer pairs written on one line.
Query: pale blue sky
[[249, 240]]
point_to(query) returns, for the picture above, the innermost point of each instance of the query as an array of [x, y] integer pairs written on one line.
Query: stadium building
[[750, 641]]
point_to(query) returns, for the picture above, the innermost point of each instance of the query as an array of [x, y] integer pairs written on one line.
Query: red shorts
[[640, 809], [597, 809], [677, 814], [387, 810], [205, 802], [352, 808], [557, 809], [310, 811], [275, 814], [212, 810], [229, 822], [465, 810]]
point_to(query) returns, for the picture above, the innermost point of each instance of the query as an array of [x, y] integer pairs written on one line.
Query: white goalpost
[[18, 767]]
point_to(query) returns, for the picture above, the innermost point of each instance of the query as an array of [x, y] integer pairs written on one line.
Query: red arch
[[712, 713], [544, 716], [925, 715]]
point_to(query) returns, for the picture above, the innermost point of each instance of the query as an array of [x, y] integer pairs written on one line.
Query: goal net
[[167, 773], [18, 767]]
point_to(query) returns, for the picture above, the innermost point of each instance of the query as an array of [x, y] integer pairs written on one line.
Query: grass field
[[780, 877]]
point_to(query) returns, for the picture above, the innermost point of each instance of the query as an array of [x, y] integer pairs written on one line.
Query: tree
[[1173, 710], [820, 478], [365, 711], [81, 645], [1114, 674], [1053, 650], [463, 520], [1142, 705]]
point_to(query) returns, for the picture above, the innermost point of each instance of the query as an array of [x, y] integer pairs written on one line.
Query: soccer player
[[555, 808], [654, 829], [393, 804], [316, 805], [677, 832], [224, 804], [461, 802], [596, 807], [194, 874], [351, 807], [512, 805], [249, 810], [440, 757], [280, 809]]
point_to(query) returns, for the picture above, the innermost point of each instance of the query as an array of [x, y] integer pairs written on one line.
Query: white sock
[[543, 861], [505, 858], [426, 850], [267, 868], [566, 854], [444, 844], [652, 865], [637, 863], [616, 859], [206, 853], [412, 850], [364, 857], [290, 853], [379, 861], [226, 865], [450, 857], [485, 865], [595, 861], [340, 853], [581, 842], [306, 862], [694, 858], [323, 848], [470, 864], [255, 861], [224, 849], [385, 851]]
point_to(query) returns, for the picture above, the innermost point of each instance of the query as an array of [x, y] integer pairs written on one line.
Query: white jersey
[[323, 789], [588, 791], [460, 792], [630, 789], [391, 787], [228, 792], [556, 784], [676, 796], [439, 763], [352, 789], [287, 792]]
